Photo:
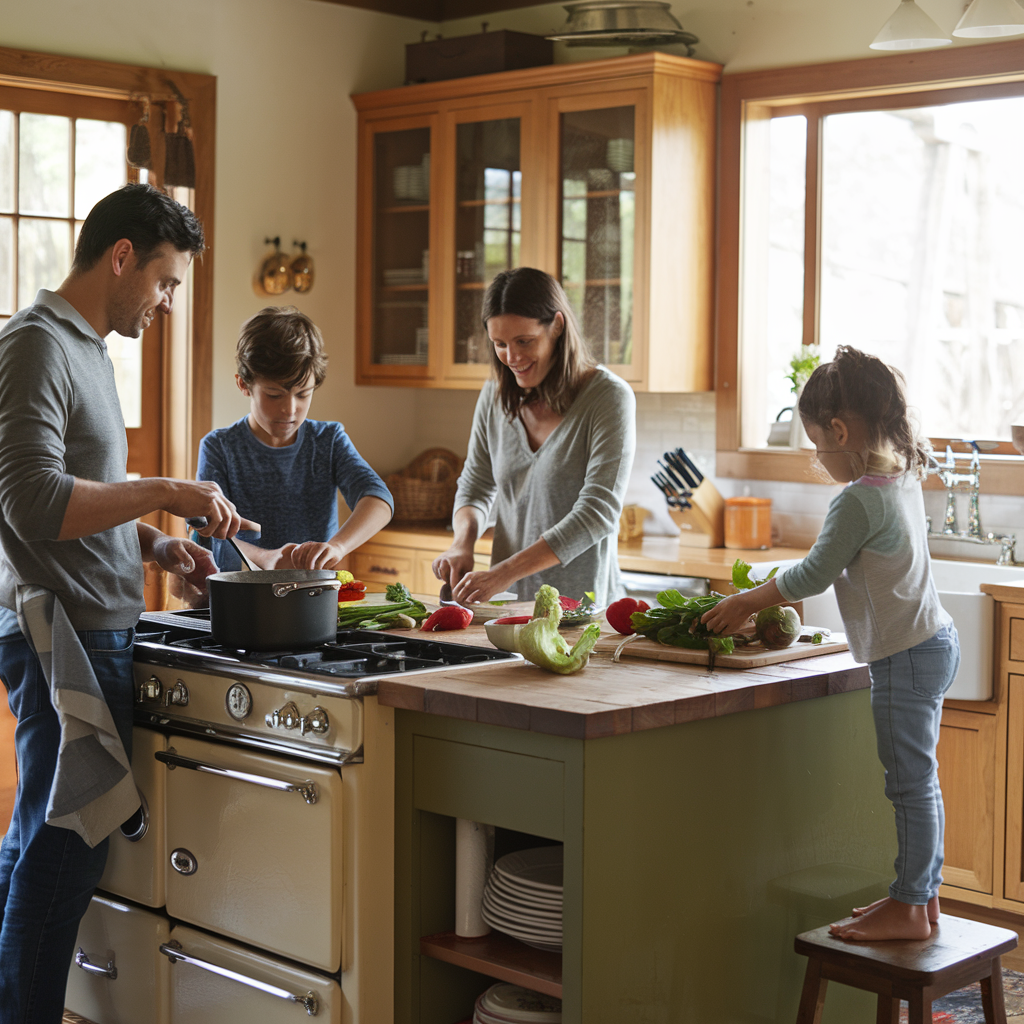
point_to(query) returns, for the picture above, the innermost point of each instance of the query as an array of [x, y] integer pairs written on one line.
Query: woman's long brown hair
[[861, 384], [535, 295]]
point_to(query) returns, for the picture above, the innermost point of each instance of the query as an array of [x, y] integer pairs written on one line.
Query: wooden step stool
[[957, 953]]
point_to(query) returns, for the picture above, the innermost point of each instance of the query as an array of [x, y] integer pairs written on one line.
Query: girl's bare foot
[[887, 919], [933, 908]]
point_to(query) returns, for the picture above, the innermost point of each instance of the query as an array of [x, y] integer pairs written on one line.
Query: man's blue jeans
[[48, 874], [906, 701]]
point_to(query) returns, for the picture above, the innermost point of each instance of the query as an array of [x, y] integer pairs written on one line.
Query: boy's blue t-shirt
[[291, 491]]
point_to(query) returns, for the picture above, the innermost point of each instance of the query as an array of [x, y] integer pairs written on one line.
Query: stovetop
[[183, 638]]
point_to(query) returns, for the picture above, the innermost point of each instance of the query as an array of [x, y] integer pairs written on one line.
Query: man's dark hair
[[145, 216]]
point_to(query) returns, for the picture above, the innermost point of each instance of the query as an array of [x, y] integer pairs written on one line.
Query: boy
[[284, 465]]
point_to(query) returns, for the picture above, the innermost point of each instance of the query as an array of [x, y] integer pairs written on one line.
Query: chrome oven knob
[[316, 722], [151, 690], [183, 861], [287, 717]]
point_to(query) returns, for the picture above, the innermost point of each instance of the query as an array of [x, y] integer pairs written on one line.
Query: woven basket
[[425, 490]]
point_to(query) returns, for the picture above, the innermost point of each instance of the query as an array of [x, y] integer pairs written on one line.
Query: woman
[[550, 450]]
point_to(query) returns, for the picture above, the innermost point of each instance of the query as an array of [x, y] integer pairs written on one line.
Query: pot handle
[[314, 586]]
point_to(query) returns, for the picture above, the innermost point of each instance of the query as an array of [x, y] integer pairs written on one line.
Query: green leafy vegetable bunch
[[400, 603]]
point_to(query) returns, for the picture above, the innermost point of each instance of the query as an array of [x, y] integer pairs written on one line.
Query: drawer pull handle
[[173, 951], [174, 760], [110, 971], [388, 570]]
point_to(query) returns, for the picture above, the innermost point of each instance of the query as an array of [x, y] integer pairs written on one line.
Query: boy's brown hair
[[282, 345]]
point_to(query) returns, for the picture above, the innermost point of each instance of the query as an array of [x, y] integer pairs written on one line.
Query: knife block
[[703, 524]]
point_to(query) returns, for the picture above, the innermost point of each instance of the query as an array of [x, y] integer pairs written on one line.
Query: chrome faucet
[[953, 479]]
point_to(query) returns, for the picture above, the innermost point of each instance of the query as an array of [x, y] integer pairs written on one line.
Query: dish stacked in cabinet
[[523, 897]]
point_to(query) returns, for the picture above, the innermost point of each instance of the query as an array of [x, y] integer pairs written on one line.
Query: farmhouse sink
[[973, 615]]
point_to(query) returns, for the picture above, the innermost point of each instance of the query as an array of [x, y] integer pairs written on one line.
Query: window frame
[[966, 73], [187, 376]]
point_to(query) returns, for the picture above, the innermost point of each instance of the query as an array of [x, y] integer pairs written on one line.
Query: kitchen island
[[705, 820]]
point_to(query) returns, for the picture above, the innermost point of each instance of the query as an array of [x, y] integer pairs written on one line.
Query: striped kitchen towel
[[93, 789]]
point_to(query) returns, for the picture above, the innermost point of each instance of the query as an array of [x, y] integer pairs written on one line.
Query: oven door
[[136, 862], [254, 843], [214, 981], [118, 975]]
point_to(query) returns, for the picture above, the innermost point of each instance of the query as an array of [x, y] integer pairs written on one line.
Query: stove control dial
[[238, 702], [150, 690], [176, 694], [288, 717]]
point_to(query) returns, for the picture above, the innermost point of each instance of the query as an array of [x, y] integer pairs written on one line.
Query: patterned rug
[[964, 1005]]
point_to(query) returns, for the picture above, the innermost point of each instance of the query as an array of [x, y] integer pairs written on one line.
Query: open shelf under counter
[[499, 956]]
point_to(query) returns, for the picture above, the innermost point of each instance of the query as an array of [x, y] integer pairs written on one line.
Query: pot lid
[[621, 23]]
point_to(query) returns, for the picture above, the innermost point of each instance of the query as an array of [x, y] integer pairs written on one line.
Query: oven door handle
[[173, 951], [175, 760]]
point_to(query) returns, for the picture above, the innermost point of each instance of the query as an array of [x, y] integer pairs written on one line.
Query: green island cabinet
[[695, 850]]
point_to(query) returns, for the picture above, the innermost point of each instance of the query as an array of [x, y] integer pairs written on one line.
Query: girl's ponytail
[[861, 384]]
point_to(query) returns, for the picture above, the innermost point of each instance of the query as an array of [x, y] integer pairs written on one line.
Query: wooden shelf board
[[499, 956], [471, 286], [403, 288], [605, 193], [417, 208], [467, 203], [597, 282]]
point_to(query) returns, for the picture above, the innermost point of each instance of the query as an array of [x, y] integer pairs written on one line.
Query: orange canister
[[748, 523]]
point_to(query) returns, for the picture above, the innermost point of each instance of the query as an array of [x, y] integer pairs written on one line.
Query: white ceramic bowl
[[504, 635]]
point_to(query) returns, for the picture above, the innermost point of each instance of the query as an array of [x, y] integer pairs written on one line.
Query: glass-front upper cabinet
[[398, 275], [598, 185], [488, 223]]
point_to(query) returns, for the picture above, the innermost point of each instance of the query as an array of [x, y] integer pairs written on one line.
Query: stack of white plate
[[523, 897], [510, 1004]]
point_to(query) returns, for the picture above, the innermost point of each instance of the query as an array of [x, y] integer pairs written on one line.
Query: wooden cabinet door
[[1013, 879], [492, 175], [967, 774], [379, 564]]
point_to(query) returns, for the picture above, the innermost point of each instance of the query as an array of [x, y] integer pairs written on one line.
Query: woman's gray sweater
[[569, 491]]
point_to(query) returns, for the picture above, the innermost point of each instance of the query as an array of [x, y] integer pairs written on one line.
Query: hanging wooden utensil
[[302, 270], [140, 153], [180, 160]]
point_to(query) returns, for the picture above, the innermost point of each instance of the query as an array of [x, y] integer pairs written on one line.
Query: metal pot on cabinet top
[[276, 609]]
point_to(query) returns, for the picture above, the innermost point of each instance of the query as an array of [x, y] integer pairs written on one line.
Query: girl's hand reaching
[[729, 615]]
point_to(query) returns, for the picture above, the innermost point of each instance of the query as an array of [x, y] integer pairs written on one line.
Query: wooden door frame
[[192, 388]]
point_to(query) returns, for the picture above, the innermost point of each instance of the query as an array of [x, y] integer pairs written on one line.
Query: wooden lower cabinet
[[406, 556], [967, 769]]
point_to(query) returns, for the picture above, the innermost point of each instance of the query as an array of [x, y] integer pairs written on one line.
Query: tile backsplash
[[665, 422]]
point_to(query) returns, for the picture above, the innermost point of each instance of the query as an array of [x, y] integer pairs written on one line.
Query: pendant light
[[910, 28], [988, 18]]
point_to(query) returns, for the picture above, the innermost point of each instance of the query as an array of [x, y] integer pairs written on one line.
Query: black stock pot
[[274, 609]]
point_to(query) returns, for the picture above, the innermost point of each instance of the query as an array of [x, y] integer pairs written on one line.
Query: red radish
[[568, 603], [513, 620], [619, 612]]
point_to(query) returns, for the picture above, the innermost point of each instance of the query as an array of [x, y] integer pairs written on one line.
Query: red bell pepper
[[448, 617]]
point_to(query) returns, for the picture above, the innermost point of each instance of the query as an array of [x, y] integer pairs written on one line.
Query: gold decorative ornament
[[303, 271], [275, 273]]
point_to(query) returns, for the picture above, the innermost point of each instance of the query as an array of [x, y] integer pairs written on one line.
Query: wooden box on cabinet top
[[601, 173]]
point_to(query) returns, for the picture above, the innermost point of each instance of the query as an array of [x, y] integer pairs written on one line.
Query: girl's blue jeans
[[47, 874], [906, 701]]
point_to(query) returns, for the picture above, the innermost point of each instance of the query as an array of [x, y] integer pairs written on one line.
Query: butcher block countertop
[[609, 698]]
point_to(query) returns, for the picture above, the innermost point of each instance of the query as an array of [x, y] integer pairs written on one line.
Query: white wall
[[286, 158]]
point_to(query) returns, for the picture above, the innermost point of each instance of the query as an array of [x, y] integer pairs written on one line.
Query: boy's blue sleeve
[[353, 475], [843, 534]]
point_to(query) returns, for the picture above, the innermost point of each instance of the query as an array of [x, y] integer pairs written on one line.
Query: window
[[885, 217], [63, 125]]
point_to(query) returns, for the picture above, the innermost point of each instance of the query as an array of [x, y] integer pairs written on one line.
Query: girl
[[874, 550]]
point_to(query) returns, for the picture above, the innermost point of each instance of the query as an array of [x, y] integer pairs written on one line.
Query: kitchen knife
[[680, 467], [697, 474], [676, 477]]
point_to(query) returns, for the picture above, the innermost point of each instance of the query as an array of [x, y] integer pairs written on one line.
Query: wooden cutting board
[[742, 657]]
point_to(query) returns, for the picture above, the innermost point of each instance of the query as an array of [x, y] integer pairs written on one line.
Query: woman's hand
[[476, 587], [311, 554], [453, 565]]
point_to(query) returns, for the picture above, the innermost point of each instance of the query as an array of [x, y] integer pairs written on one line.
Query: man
[[68, 525]]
